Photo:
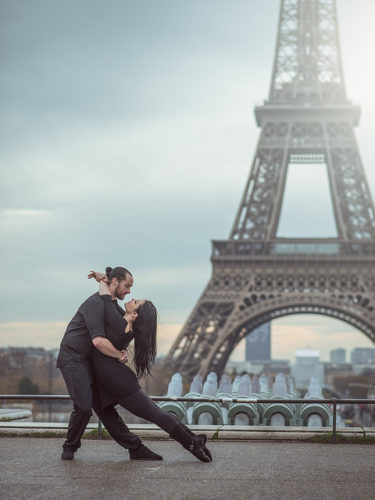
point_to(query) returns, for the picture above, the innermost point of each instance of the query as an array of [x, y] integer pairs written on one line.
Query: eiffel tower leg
[[200, 332]]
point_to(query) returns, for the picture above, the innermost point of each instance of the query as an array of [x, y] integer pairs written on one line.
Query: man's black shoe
[[143, 453], [67, 454]]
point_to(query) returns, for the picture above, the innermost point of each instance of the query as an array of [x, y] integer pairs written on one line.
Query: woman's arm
[[113, 318], [115, 324], [94, 318]]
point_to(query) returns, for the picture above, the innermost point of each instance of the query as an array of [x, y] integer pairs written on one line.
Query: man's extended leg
[[78, 379], [120, 432], [116, 426]]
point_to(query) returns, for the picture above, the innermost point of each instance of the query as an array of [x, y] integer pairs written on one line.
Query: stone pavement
[[31, 468]]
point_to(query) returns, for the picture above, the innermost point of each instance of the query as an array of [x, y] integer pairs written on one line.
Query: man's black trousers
[[78, 376]]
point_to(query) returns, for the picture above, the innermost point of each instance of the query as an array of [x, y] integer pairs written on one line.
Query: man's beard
[[118, 294]]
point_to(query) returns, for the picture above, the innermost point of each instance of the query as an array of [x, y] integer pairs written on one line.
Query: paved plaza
[[31, 468]]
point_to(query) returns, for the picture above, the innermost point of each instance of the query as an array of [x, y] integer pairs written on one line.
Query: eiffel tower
[[257, 276]]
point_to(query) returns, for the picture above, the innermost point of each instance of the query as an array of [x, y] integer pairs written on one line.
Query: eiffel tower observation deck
[[258, 275]]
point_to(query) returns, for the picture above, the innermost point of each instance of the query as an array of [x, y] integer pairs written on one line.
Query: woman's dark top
[[113, 379]]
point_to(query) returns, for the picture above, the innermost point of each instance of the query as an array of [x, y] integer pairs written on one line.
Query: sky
[[127, 135]]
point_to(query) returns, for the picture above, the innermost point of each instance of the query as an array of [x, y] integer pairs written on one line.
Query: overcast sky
[[127, 134]]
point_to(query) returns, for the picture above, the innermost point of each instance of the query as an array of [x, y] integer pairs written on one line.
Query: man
[[85, 332]]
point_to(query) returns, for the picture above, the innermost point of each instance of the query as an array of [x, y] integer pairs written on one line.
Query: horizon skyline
[[307, 348], [279, 348]]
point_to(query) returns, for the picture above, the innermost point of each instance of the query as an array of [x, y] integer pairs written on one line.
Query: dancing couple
[[93, 358]]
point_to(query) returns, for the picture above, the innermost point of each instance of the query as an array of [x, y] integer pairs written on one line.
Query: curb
[[214, 432]]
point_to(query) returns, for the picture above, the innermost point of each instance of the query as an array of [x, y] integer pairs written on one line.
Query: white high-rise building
[[258, 344], [307, 365]]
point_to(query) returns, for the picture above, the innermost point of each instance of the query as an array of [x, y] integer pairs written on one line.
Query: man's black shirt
[[87, 323]]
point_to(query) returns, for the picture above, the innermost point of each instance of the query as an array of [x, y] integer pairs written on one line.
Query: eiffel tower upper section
[[306, 119], [258, 276], [307, 67]]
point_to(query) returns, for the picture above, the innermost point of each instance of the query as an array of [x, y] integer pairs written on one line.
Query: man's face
[[123, 287]]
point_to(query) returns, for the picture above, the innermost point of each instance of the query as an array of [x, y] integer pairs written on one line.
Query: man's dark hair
[[117, 272]]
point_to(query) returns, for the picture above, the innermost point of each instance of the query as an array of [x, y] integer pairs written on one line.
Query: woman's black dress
[[113, 379], [117, 383]]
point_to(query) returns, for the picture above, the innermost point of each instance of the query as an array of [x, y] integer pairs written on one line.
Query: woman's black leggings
[[142, 406]]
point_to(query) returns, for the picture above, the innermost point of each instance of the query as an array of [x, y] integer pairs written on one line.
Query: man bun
[[117, 272]]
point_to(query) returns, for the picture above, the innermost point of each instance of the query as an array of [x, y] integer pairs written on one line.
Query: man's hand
[[107, 348], [124, 357], [98, 276]]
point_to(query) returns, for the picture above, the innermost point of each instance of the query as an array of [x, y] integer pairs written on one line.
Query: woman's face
[[133, 305]]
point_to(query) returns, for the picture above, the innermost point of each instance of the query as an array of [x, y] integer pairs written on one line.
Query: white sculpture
[[244, 388], [175, 386], [279, 388], [210, 386]]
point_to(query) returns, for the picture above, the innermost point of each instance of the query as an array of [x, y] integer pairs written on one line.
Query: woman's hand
[[98, 276], [103, 288], [130, 318]]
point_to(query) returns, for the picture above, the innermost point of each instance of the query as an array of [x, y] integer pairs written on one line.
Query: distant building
[[27, 352], [271, 367], [335, 371], [275, 366], [337, 355], [307, 365], [362, 356], [258, 344]]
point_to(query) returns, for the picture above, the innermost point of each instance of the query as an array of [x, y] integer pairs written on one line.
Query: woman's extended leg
[[142, 406]]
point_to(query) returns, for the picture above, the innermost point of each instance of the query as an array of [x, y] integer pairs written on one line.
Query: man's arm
[[106, 347]]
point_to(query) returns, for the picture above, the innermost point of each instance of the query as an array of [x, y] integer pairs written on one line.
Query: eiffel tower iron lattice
[[258, 276]]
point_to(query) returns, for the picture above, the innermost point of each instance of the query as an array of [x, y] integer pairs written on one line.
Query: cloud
[[21, 220], [166, 336], [32, 334], [14, 213]]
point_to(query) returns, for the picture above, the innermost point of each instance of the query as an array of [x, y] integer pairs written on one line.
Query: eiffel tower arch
[[258, 276]]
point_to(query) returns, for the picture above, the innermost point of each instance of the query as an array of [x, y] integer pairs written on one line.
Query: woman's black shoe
[[199, 450], [205, 449], [196, 444], [143, 453]]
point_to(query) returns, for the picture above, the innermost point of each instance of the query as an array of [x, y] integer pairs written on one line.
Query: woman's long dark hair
[[144, 329]]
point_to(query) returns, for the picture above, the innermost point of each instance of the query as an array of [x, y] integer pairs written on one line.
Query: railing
[[332, 401]]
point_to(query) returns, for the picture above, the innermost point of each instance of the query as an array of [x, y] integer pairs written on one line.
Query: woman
[[118, 384]]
